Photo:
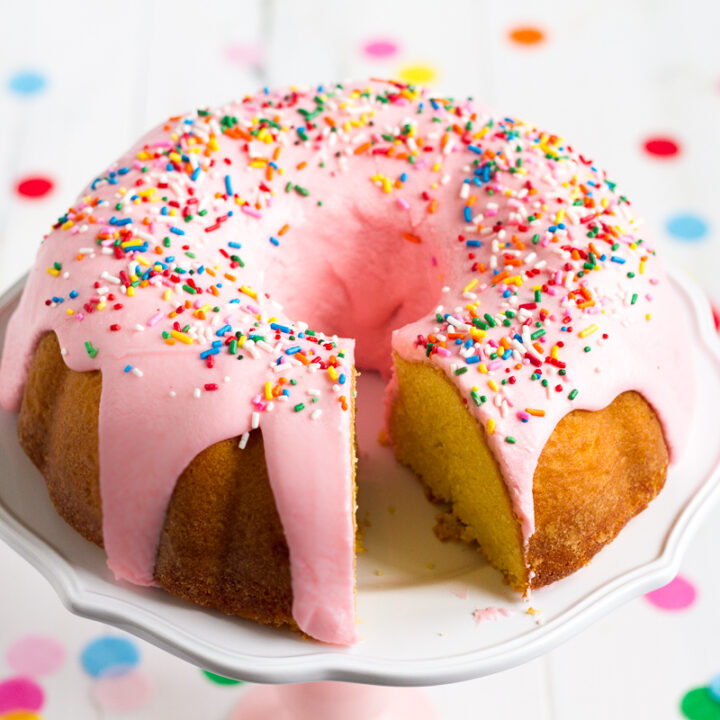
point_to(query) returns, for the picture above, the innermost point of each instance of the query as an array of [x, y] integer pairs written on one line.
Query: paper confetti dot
[[714, 688], [678, 594], [109, 655], [247, 54], [27, 82], [716, 317], [526, 35], [687, 227], [35, 655], [122, 694], [417, 74], [21, 715], [380, 48], [661, 147], [220, 679], [34, 186], [20, 693], [698, 704]]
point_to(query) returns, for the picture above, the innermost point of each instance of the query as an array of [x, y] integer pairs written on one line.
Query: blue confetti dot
[[714, 688], [27, 82], [109, 655], [687, 227]]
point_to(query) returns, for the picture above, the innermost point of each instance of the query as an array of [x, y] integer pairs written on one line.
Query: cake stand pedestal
[[333, 701]]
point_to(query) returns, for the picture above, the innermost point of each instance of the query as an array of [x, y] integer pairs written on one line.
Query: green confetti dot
[[698, 704], [220, 679]]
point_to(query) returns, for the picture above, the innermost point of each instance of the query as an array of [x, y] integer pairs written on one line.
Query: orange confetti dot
[[526, 35]]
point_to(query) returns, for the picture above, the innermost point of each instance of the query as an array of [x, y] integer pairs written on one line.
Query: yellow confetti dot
[[418, 74]]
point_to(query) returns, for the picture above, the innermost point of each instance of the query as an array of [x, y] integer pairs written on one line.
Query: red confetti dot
[[661, 147], [716, 317], [35, 186]]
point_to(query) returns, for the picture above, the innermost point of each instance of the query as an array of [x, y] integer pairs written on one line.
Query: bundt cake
[[188, 421]]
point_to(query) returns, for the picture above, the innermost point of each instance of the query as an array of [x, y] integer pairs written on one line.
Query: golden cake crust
[[596, 472], [222, 545]]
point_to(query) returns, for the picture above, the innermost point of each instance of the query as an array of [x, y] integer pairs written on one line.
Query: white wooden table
[[607, 77]]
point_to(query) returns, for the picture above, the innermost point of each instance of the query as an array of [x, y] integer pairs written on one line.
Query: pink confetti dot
[[20, 693], [246, 54], [676, 595], [34, 186], [380, 48], [35, 655], [122, 693], [661, 147]]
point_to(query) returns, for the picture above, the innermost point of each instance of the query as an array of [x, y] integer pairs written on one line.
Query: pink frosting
[[360, 217], [490, 614]]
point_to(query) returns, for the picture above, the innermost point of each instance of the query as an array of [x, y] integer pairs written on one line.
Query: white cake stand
[[415, 596]]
